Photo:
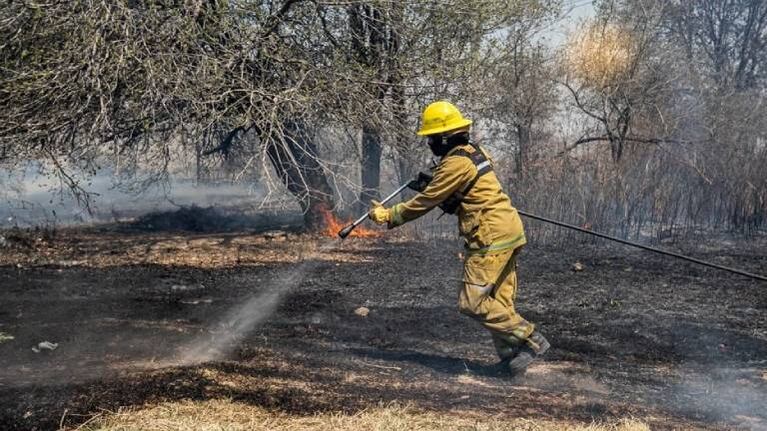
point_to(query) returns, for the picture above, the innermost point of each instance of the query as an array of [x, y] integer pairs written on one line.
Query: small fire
[[333, 225]]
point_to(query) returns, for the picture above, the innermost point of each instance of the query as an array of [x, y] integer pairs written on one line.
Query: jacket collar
[[466, 147]]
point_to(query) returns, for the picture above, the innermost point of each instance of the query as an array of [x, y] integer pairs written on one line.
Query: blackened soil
[[633, 334]]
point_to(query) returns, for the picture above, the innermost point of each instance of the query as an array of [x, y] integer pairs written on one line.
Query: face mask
[[458, 139], [438, 145]]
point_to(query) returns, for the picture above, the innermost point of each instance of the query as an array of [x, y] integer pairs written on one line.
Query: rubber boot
[[536, 346], [507, 347]]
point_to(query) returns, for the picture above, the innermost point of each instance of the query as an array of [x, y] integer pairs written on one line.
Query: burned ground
[[633, 335]]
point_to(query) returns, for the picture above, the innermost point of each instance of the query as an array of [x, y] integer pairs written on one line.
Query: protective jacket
[[487, 221]]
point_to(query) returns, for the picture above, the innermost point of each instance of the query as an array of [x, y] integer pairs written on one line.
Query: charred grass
[[638, 341]]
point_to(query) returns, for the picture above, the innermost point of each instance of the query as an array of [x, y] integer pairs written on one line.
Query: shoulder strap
[[460, 152], [482, 164]]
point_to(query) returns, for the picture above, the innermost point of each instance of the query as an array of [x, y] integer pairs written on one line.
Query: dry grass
[[5, 337], [103, 249], [224, 415]]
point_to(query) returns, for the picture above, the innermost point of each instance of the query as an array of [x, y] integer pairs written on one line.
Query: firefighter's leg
[[535, 344], [490, 286], [507, 346]]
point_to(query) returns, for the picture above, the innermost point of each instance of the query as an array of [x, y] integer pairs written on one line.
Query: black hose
[[644, 247]]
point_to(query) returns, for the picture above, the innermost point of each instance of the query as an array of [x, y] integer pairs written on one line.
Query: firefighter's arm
[[451, 174]]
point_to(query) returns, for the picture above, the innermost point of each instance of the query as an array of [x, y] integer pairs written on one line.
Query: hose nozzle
[[343, 233], [348, 229]]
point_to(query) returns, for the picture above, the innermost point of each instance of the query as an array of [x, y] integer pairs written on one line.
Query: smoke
[[728, 394], [28, 198], [228, 332]]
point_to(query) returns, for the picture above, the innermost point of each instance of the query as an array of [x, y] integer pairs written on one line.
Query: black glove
[[419, 184]]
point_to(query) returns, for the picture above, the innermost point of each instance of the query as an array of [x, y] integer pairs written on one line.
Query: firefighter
[[464, 183]]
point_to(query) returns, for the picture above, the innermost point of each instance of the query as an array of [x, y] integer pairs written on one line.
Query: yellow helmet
[[440, 117]]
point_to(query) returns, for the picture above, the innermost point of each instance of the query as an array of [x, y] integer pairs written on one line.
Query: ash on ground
[[214, 219]]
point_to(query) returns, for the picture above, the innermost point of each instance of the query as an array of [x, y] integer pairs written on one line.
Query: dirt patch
[[633, 335]]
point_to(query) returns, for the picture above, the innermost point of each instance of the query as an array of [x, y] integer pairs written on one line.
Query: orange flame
[[333, 225]]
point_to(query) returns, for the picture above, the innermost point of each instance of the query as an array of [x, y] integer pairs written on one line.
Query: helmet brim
[[436, 130]]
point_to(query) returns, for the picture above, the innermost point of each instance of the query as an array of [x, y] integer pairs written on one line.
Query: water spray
[[223, 336]]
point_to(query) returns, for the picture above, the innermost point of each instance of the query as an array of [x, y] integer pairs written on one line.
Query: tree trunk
[[374, 42], [294, 157], [198, 162], [407, 160], [523, 147], [371, 165]]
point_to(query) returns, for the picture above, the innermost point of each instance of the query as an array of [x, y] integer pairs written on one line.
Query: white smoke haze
[[729, 394], [29, 199]]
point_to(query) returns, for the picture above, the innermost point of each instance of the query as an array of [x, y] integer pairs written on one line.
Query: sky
[[575, 11]]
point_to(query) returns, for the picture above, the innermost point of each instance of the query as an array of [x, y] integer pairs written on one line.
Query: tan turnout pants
[[488, 293]]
